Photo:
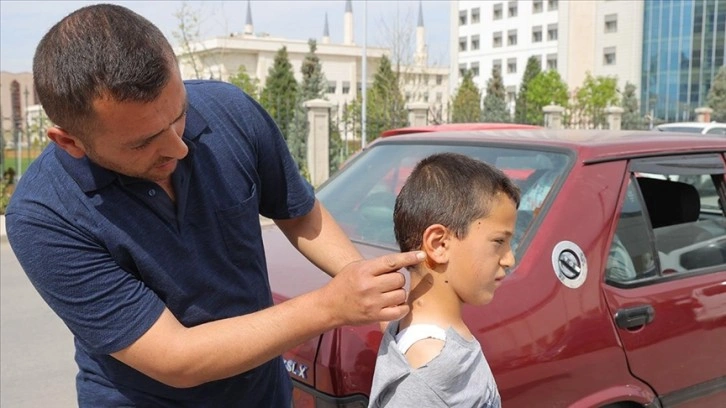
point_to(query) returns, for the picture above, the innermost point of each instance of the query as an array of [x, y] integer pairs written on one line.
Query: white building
[[574, 37], [342, 64]]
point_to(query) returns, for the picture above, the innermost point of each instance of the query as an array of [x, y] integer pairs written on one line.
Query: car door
[[665, 279]]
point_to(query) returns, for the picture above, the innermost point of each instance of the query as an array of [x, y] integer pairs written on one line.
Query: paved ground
[[36, 350]]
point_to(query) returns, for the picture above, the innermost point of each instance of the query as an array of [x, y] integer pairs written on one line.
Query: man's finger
[[394, 262], [394, 312]]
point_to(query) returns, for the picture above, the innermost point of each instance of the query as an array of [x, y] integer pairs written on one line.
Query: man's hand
[[370, 291]]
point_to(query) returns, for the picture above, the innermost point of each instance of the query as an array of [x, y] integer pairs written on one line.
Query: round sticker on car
[[570, 264]]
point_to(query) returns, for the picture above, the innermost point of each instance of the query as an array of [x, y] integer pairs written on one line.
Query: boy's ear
[[436, 244], [66, 141]]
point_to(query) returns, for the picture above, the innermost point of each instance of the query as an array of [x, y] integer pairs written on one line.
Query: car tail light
[[307, 397]]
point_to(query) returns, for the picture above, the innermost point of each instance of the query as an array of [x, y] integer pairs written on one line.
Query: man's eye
[[142, 145]]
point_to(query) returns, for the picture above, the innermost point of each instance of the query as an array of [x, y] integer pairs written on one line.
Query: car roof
[[591, 145]]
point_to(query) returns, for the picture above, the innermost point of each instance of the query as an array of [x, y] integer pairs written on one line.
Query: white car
[[705, 128]]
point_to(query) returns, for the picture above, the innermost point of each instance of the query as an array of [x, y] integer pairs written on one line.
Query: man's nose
[[174, 145]]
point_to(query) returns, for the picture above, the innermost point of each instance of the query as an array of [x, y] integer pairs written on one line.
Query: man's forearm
[[320, 239], [185, 357]]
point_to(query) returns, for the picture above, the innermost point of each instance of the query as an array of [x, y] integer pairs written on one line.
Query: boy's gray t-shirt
[[458, 377]]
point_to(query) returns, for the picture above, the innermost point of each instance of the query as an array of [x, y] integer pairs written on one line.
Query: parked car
[[618, 295], [704, 128]]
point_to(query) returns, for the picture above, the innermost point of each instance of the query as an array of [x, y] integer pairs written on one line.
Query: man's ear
[[66, 141], [436, 245]]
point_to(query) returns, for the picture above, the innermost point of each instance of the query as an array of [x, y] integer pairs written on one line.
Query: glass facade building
[[684, 42]]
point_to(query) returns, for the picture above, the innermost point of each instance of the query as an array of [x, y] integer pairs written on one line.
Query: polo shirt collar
[[90, 176]]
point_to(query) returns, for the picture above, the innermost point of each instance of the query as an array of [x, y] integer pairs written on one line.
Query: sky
[[23, 23]]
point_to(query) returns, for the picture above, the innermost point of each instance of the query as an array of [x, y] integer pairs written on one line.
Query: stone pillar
[[703, 114], [553, 116], [615, 117], [318, 140], [418, 113]]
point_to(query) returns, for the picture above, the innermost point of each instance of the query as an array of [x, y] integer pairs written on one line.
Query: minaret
[[348, 23], [326, 31], [249, 28], [421, 57]]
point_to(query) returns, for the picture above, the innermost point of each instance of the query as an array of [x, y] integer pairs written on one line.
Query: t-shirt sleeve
[[410, 392], [105, 307]]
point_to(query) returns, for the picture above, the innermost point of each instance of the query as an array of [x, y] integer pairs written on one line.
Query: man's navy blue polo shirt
[[107, 252]]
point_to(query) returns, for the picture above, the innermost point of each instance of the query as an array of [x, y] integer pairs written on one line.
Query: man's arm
[[361, 292], [319, 237]]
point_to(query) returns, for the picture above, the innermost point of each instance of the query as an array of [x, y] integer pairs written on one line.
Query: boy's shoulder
[[423, 351]]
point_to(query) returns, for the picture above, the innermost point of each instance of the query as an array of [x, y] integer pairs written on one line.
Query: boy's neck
[[433, 302]]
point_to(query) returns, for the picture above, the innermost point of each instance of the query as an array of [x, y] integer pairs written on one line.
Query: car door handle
[[633, 317]]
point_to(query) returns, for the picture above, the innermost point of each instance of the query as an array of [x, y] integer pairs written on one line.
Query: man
[[139, 226]]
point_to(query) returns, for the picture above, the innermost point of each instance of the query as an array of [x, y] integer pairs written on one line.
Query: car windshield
[[362, 195]]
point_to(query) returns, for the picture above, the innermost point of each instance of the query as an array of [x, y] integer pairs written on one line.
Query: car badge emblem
[[570, 264]]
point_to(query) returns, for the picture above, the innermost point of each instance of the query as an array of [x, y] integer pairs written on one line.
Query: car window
[[631, 252], [362, 195], [682, 129], [717, 131], [672, 220]]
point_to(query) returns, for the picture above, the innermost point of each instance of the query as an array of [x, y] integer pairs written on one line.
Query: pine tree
[[632, 120], [467, 101], [495, 106], [521, 110], [312, 87], [280, 92], [385, 105], [716, 99], [243, 81]]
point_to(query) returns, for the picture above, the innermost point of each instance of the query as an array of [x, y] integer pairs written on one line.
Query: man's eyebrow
[[144, 139]]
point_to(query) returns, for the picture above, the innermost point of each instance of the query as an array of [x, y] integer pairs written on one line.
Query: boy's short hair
[[449, 189]]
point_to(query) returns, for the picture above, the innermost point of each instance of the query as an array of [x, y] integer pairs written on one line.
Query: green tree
[[385, 106], [521, 110], [312, 87], [243, 81], [632, 120], [495, 106], [591, 99], [716, 99], [466, 107], [546, 88], [280, 92]]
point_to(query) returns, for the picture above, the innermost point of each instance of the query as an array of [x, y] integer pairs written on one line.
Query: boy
[[461, 212]]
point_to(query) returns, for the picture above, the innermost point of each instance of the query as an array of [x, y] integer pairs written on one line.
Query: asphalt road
[[36, 350]]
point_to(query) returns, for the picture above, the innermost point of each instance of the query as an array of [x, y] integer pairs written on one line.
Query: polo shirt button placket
[[152, 192]]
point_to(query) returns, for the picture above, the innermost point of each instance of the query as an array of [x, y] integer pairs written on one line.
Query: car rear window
[[361, 197]]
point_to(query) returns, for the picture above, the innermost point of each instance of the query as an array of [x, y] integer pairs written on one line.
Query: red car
[[618, 298]]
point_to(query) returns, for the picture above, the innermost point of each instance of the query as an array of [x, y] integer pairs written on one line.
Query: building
[[684, 43], [342, 64], [17, 89], [670, 50], [487, 34]]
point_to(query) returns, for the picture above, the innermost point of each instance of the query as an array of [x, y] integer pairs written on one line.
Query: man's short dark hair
[[99, 51], [449, 189]]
